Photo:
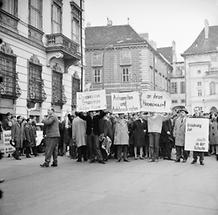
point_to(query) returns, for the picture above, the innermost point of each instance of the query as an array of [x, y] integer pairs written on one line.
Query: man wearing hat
[[179, 135]]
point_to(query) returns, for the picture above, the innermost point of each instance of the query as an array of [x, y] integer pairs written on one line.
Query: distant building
[[120, 60], [177, 77], [41, 56], [201, 66]]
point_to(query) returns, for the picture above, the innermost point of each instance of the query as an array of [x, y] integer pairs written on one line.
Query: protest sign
[[197, 134], [5, 145], [91, 101], [155, 101], [125, 102]]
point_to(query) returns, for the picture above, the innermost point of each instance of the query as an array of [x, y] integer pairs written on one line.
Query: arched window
[[212, 88]]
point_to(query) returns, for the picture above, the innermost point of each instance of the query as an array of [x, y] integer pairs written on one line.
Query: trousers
[[154, 138], [51, 149]]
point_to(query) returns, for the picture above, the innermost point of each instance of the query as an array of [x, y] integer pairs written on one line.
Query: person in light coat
[[121, 137], [79, 137], [179, 135]]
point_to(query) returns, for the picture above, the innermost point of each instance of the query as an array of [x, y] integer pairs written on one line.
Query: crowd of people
[[97, 136]]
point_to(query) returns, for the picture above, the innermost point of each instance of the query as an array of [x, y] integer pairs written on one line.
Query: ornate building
[[177, 76], [120, 60], [201, 66], [41, 57]]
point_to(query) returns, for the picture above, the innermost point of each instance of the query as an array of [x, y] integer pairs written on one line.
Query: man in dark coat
[[105, 130], [17, 137], [52, 136], [92, 131], [167, 139]]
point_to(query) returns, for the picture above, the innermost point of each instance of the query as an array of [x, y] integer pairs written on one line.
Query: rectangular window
[[125, 57], [7, 71], [35, 82], [76, 15], [97, 75], [97, 59], [182, 87], [35, 10], [76, 31], [173, 87], [199, 92], [199, 83], [174, 101], [56, 18], [56, 88], [125, 74], [182, 100], [10, 6]]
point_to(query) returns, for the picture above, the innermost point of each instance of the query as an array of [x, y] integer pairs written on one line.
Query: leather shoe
[[193, 162], [44, 165], [125, 160], [201, 163], [54, 165], [102, 162]]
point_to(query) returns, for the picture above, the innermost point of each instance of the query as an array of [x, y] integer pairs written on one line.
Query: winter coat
[[105, 127], [16, 134], [79, 131], [213, 132], [121, 135], [92, 124], [179, 131], [29, 136], [139, 133], [51, 124], [167, 132]]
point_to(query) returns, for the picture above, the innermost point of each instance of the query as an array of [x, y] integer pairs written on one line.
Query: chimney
[[88, 24], [174, 51], [206, 28], [144, 36], [109, 22]]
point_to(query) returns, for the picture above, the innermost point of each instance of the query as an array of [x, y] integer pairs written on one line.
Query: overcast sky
[[164, 20]]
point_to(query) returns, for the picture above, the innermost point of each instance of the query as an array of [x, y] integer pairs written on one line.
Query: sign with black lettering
[[197, 134]]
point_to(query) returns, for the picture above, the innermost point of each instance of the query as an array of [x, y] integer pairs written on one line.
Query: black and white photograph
[[108, 107]]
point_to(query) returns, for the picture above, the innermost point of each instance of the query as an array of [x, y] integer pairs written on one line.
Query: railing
[[59, 40], [212, 72]]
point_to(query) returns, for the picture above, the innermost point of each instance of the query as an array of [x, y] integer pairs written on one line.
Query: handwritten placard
[[125, 102], [197, 134], [5, 145], [155, 101], [91, 101]]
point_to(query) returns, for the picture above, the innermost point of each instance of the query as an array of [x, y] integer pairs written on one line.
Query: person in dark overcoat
[[17, 137], [92, 131], [138, 136], [106, 130], [167, 140]]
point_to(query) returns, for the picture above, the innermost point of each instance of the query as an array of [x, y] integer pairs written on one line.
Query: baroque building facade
[[41, 56], [177, 77], [120, 60], [201, 66]]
